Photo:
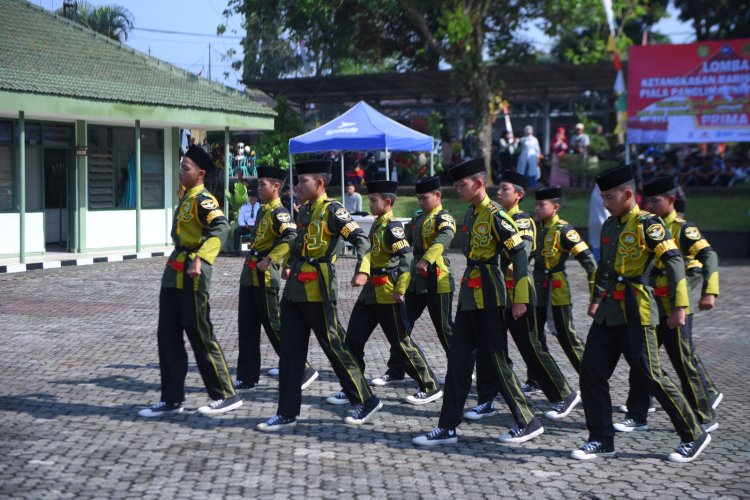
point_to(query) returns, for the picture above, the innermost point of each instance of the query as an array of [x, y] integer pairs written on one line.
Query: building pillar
[[227, 168], [547, 131], [138, 245], [22, 185], [81, 183]]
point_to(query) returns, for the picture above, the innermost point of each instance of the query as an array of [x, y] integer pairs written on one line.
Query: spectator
[[246, 219], [352, 199], [648, 171], [559, 176], [529, 156], [741, 172], [290, 204], [685, 176], [580, 141], [505, 151], [705, 174], [597, 215]]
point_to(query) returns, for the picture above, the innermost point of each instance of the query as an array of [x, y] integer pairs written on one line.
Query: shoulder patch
[[398, 232], [645, 213], [692, 232], [523, 223], [507, 225], [447, 218], [283, 217], [209, 204], [655, 232], [573, 236], [343, 214]]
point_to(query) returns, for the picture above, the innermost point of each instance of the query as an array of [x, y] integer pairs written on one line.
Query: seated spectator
[[246, 220], [685, 175], [352, 200], [741, 172], [726, 174], [707, 171]]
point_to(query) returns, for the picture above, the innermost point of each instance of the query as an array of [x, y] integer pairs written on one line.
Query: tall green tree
[[113, 21], [718, 19]]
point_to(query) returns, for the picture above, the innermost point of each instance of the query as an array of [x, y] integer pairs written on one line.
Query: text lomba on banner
[[697, 92]]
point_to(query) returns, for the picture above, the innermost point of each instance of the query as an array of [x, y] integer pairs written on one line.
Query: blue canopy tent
[[361, 128]]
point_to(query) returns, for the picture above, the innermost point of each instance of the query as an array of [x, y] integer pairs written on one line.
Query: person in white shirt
[[246, 219], [352, 199], [529, 157]]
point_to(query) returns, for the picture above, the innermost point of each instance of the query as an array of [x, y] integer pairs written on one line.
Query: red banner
[[697, 92]]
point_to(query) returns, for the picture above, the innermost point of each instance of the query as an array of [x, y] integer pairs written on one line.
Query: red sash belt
[[427, 273], [555, 284], [510, 283], [252, 264], [661, 291], [306, 277], [379, 280], [177, 266], [473, 282]]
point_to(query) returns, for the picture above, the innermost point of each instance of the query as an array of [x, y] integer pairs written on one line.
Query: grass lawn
[[714, 212]]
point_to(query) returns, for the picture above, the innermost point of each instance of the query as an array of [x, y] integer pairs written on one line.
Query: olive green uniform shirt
[[430, 234]]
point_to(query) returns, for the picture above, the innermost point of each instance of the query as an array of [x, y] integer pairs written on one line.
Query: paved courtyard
[[78, 359]]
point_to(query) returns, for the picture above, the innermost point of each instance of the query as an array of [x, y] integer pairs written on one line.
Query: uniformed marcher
[[261, 278], [429, 233], [625, 318], [310, 297], [381, 301], [702, 260], [198, 229], [541, 366], [556, 241], [480, 323]]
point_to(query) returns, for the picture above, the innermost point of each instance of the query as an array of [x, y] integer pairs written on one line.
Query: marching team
[[639, 300]]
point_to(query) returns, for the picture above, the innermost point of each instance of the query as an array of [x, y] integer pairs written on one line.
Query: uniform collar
[[275, 203], [553, 220], [194, 190], [513, 211], [384, 218], [671, 217], [633, 212], [315, 204], [485, 202], [435, 210]]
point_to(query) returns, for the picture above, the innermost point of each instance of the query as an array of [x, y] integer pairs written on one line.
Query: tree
[[273, 149], [112, 21], [717, 20]]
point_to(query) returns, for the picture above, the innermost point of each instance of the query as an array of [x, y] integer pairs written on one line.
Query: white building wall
[[11, 225]]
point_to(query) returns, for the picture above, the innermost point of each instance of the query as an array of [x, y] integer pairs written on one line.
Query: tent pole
[[291, 187], [627, 152], [432, 160], [387, 168], [342, 179]]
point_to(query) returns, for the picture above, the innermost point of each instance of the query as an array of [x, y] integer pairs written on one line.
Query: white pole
[[432, 158], [291, 187], [387, 168], [627, 152], [342, 178]]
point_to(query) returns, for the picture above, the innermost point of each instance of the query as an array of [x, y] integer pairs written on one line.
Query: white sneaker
[[160, 409], [384, 380], [338, 399], [421, 397], [630, 425], [564, 407], [221, 406], [624, 409], [310, 375], [480, 411], [273, 372]]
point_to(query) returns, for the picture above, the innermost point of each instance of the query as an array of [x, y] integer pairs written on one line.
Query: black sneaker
[[520, 434], [530, 388], [276, 423], [310, 375], [710, 426], [241, 384], [687, 452], [564, 407], [624, 409], [160, 409], [221, 405], [338, 399], [593, 449], [422, 397], [385, 380], [630, 425], [363, 412], [480, 411], [436, 436], [716, 400]]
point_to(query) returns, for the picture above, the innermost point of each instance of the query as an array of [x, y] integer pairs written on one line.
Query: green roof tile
[[46, 54]]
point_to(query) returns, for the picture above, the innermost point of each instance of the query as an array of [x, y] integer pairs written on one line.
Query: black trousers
[[540, 364], [678, 344], [571, 344], [364, 319], [475, 330], [185, 310], [440, 314], [258, 306], [604, 346], [299, 319]]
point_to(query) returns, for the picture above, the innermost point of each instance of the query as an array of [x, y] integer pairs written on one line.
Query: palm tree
[[113, 21]]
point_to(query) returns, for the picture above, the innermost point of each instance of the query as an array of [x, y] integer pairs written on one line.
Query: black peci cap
[[272, 173], [313, 167], [201, 158], [427, 184], [658, 185], [515, 178], [467, 168], [382, 187], [548, 193], [613, 177]]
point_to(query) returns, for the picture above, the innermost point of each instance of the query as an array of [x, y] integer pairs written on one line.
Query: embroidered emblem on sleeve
[[693, 233], [398, 232], [573, 236], [655, 232], [343, 214], [209, 204]]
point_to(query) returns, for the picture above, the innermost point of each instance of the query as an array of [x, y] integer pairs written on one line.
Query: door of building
[[56, 186]]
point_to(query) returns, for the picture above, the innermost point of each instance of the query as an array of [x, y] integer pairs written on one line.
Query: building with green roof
[[90, 135]]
